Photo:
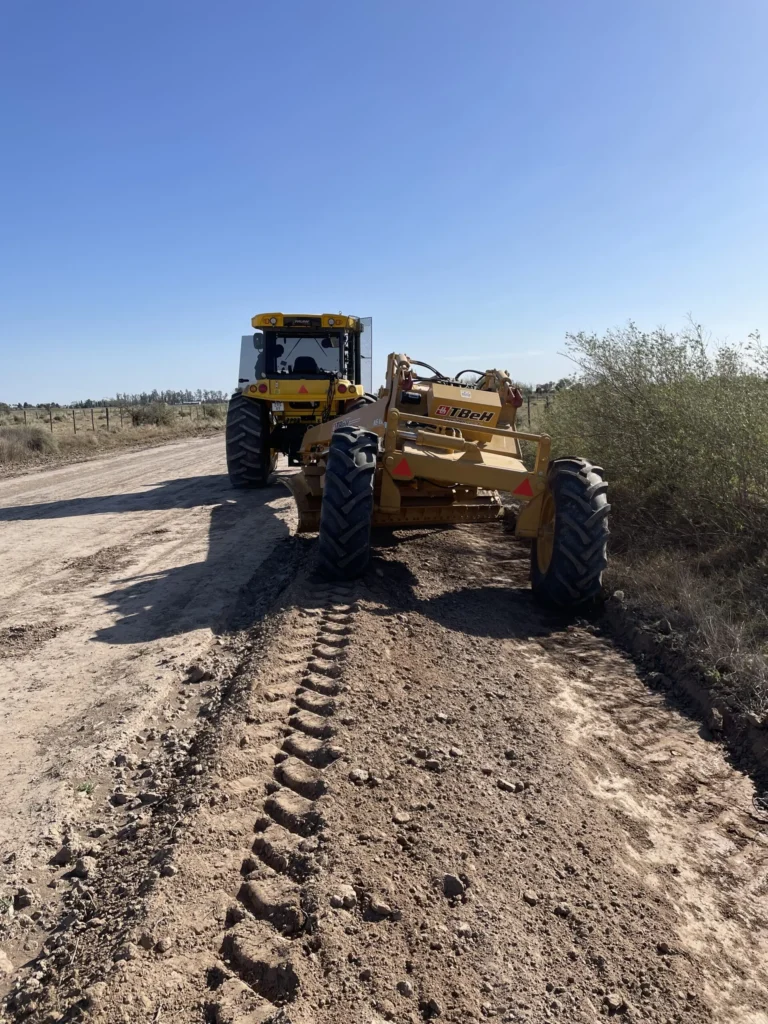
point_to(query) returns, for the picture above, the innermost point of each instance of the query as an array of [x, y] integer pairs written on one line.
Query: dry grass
[[95, 420], [19, 443], [720, 612], [23, 448]]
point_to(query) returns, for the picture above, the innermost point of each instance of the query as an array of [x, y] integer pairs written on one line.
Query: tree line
[[153, 397]]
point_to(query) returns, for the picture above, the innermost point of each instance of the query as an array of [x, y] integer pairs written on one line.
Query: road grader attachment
[[436, 450]]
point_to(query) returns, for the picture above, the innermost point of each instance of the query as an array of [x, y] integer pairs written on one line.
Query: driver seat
[[305, 364]]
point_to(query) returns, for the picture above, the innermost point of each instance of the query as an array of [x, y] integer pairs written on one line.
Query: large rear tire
[[363, 400], [344, 545], [568, 558], [249, 459]]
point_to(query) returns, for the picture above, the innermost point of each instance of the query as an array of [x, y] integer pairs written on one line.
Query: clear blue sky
[[479, 176]]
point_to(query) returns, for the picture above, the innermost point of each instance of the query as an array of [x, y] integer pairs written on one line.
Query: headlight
[[273, 320]]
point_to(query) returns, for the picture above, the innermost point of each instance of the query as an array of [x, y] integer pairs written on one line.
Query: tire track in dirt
[[285, 852], [431, 800]]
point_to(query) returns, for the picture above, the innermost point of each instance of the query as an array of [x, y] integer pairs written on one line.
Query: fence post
[[106, 410], [547, 405], [529, 410], [93, 422], [74, 422], [121, 417]]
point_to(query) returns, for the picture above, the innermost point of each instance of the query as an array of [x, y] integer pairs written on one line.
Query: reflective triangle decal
[[524, 489], [303, 390], [403, 469]]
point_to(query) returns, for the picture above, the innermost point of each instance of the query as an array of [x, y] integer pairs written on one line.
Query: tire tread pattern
[[574, 576], [344, 544], [249, 460]]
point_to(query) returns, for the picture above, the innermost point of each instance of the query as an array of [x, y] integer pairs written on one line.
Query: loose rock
[[63, 856], [85, 867], [453, 886], [614, 1002]]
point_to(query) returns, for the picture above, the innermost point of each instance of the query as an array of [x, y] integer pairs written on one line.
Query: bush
[[17, 444], [213, 412], [682, 433], [157, 415]]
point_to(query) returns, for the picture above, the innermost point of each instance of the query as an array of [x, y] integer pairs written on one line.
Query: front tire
[[344, 544], [249, 459], [569, 556]]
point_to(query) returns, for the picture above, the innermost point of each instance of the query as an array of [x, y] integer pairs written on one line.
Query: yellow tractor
[[296, 370], [433, 450]]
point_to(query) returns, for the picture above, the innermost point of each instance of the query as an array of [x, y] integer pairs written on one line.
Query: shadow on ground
[[182, 492], [474, 592], [247, 538], [247, 543]]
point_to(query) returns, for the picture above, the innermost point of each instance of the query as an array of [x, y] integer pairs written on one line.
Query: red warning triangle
[[303, 390], [403, 469], [524, 489]]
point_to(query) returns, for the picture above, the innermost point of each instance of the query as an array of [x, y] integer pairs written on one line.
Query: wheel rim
[[545, 540]]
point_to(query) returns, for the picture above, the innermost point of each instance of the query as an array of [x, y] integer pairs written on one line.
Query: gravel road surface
[[116, 575], [235, 794]]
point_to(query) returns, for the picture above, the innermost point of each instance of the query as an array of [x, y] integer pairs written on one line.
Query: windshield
[[308, 356]]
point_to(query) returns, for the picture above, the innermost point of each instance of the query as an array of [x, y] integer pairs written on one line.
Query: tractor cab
[[290, 348], [296, 370]]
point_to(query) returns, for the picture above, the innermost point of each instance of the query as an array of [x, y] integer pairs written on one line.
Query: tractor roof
[[321, 321]]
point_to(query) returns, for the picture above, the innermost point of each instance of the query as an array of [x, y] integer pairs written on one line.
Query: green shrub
[[681, 432], [157, 414]]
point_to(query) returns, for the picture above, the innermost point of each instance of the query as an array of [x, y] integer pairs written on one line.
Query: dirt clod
[[453, 886]]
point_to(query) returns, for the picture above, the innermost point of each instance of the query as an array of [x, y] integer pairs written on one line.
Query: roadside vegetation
[[56, 434], [681, 428]]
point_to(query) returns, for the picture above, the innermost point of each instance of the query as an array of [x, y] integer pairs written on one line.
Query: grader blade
[[307, 506]]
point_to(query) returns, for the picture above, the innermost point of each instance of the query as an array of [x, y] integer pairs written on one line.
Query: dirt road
[[414, 797], [116, 575]]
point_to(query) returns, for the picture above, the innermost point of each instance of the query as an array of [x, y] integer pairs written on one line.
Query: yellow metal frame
[[299, 390], [437, 469], [448, 459], [331, 321]]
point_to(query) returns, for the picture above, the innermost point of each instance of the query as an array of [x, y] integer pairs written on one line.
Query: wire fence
[[77, 420], [109, 417]]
